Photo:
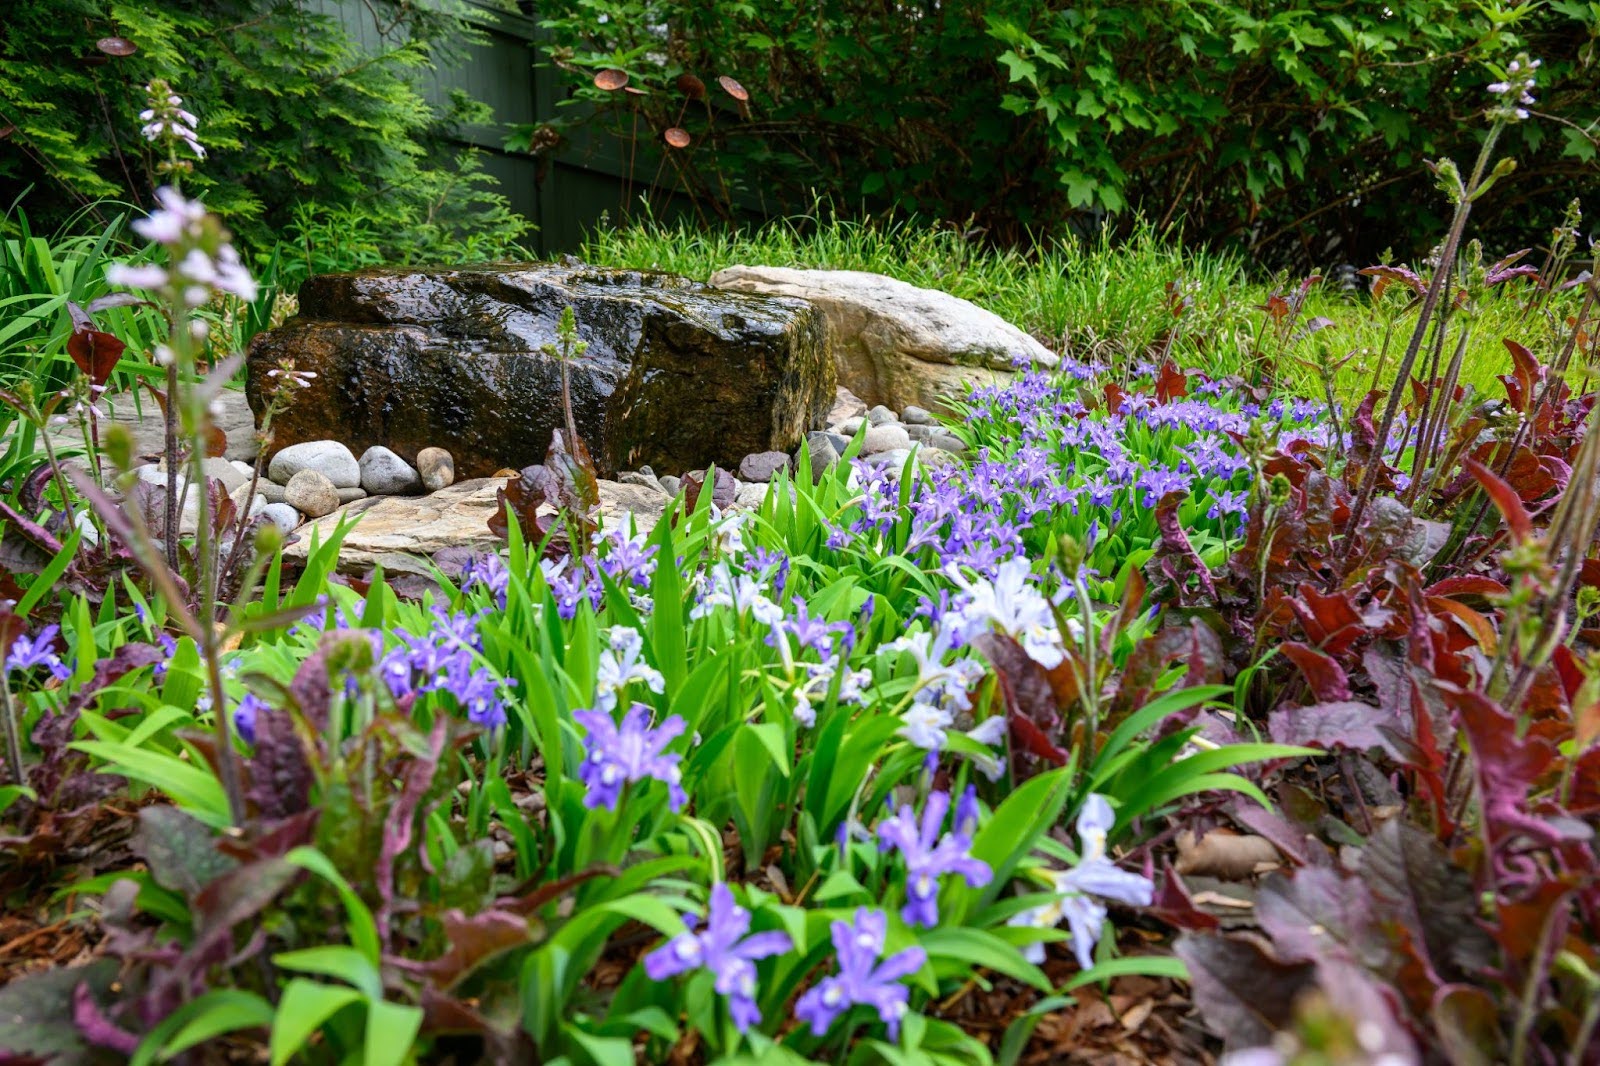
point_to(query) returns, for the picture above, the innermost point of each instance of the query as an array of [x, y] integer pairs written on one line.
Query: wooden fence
[[566, 192]]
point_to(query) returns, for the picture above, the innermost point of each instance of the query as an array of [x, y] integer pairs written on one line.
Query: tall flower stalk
[[1511, 98], [201, 264]]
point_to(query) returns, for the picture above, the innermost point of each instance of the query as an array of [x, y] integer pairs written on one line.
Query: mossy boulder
[[676, 374]]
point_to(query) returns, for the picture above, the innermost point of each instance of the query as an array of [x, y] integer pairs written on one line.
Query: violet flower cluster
[[929, 856], [616, 756], [447, 659], [38, 650], [864, 978], [726, 948]]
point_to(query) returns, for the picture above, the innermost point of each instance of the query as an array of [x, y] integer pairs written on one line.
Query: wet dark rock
[[676, 374]]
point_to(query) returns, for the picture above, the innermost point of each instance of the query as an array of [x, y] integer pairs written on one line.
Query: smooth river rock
[[311, 493], [330, 458], [436, 468], [676, 374], [383, 473], [894, 343]]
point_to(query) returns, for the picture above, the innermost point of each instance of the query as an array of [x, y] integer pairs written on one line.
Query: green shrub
[[292, 109], [1296, 128]]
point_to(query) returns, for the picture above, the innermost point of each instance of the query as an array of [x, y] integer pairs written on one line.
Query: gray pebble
[[761, 467], [823, 453], [283, 516], [880, 415], [271, 490], [351, 495], [383, 473], [640, 478], [886, 438], [327, 457], [916, 416], [850, 426], [670, 484]]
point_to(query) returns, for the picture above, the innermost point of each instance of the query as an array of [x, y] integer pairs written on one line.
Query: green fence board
[[565, 193]]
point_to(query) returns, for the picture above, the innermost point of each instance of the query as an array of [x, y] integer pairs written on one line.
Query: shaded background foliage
[[1295, 129], [305, 129], [1295, 133]]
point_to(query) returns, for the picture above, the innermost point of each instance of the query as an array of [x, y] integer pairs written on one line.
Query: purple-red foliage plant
[[1430, 583]]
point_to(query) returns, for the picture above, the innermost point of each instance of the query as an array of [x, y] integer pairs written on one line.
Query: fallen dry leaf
[[1226, 855]]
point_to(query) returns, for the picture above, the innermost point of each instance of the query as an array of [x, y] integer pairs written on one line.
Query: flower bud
[[117, 443]]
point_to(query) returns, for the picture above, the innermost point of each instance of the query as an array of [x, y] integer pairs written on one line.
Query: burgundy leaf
[[397, 824], [1171, 383], [1176, 556], [108, 671], [1506, 767], [1467, 585], [1505, 498], [1339, 724], [1318, 914], [472, 942], [1326, 677], [1388, 274], [1173, 905], [95, 353], [1427, 895], [1244, 992], [280, 770]]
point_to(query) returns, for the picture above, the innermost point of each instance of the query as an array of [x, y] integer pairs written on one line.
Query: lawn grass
[[1094, 299]]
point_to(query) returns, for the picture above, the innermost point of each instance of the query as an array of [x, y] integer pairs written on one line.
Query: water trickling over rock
[[676, 374]]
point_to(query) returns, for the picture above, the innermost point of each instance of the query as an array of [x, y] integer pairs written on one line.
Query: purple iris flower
[[614, 757], [629, 560], [245, 714], [862, 978], [722, 947], [1078, 891], [808, 630], [929, 857], [28, 652], [443, 660], [492, 573]]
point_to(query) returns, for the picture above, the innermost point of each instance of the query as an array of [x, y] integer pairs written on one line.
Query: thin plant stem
[[13, 729], [1369, 476]]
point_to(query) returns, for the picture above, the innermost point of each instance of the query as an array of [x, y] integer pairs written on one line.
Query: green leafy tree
[[1298, 129], [294, 110]]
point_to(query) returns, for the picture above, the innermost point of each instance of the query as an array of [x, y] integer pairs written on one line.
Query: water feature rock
[[880, 416], [675, 374], [311, 493], [916, 416], [329, 458], [437, 468], [895, 343], [383, 473]]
